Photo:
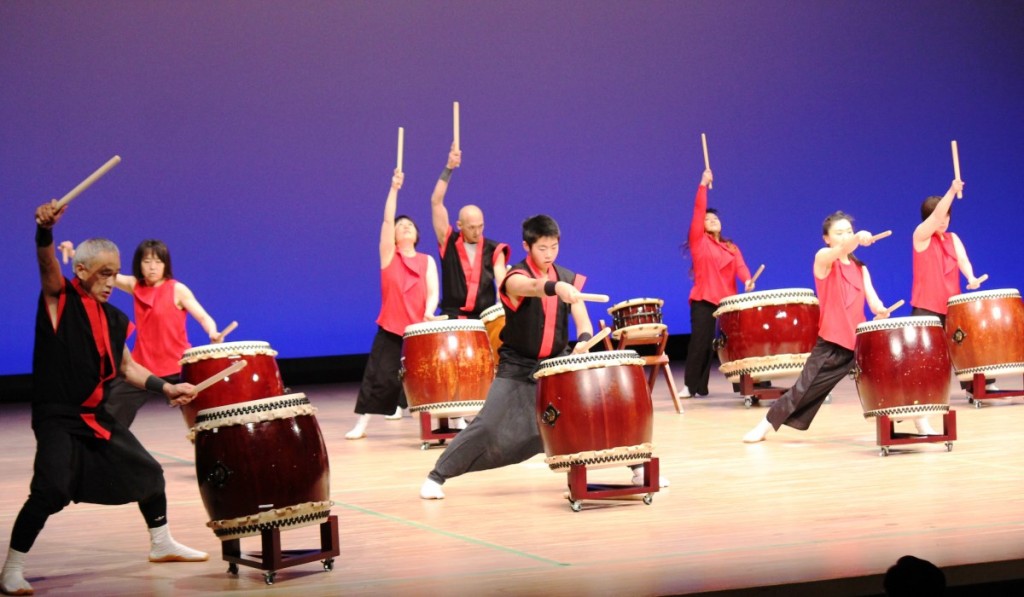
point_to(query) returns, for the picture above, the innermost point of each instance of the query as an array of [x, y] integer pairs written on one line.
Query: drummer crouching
[[538, 297]]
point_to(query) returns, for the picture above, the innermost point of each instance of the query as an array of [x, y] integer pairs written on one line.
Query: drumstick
[[881, 235], [231, 327], [594, 298], [85, 184], [982, 278], [594, 340], [898, 304], [455, 124], [707, 162], [234, 368], [956, 166], [757, 273], [401, 144]]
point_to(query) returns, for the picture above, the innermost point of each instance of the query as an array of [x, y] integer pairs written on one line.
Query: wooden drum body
[[493, 318], [447, 367], [766, 334], [262, 465], [636, 312], [985, 333], [902, 367], [594, 410], [259, 379]]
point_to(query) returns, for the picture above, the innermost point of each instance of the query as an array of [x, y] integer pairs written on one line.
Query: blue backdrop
[[258, 139]]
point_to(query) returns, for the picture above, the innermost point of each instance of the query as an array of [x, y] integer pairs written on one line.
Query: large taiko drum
[[637, 311], [259, 379], [594, 409], [493, 318], [766, 334], [262, 465], [902, 367], [985, 333], [447, 367]]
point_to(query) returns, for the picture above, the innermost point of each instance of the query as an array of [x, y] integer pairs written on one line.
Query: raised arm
[[700, 209], [51, 279], [432, 289], [387, 229], [185, 299], [438, 212], [931, 224]]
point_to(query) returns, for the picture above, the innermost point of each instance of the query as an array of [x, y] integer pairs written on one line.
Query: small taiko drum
[[766, 334], [259, 379], [447, 367], [262, 465], [636, 312], [493, 318], [594, 409], [902, 367], [985, 333]]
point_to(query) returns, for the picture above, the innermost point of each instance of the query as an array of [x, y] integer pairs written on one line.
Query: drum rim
[[747, 296], [226, 347], [967, 297], [892, 323], [261, 402], [448, 325], [587, 360], [491, 313], [638, 301]]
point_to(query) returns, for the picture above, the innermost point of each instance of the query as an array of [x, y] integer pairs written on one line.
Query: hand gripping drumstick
[[595, 339], [85, 184], [956, 166], [234, 368], [231, 327], [982, 279], [594, 298], [707, 162], [757, 273], [881, 235], [897, 305]]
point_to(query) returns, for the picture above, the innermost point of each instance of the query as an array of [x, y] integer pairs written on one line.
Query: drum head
[[893, 323], [634, 302], [590, 360], [765, 298], [491, 313], [441, 327], [983, 295], [226, 349]]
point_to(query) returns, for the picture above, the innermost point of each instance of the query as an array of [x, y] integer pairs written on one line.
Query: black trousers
[[380, 392], [699, 352], [826, 366]]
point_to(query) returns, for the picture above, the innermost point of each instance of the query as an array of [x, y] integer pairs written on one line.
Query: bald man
[[472, 267]]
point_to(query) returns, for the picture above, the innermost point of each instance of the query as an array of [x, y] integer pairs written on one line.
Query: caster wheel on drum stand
[[828, 399], [648, 498], [977, 403], [884, 451], [949, 446], [329, 564], [748, 402], [269, 576], [233, 568], [575, 505]]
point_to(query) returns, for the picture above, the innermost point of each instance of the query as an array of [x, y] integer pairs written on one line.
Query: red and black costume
[[505, 431], [936, 277], [467, 279]]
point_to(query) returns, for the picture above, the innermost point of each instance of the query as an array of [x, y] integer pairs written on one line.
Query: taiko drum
[[985, 333], [636, 311], [259, 379], [447, 366], [493, 318]]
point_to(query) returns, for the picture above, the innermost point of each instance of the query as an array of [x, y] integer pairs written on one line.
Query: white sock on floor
[[758, 433], [638, 478], [396, 416], [431, 490], [359, 431], [924, 427], [12, 579], [163, 548]]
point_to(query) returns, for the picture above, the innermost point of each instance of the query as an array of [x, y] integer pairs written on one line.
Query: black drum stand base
[[273, 558], [579, 490]]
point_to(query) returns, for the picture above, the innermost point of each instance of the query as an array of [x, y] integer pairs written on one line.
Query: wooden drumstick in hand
[[889, 311], [881, 235], [234, 368], [978, 282], [707, 162], [594, 298], [231, 327], [757, 273], [85, 184], [586, 346], [956, 166]]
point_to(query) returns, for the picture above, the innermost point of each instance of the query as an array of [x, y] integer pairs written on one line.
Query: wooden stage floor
[[815, 512]]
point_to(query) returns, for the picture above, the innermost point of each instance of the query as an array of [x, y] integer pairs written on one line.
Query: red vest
[[936, 274], [160, 338], [403, 289], [841, 298]]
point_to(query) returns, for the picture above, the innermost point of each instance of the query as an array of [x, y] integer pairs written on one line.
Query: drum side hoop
[[739, 302], [263, 405], [906, 411], [584, 365], [443, 327], [491, 313], [983, 295], [1000, 369], [896, 323], [227, 349], [641, 330], [637, 301], [769, 364], [618, 456], [441, 408], [298, 515]]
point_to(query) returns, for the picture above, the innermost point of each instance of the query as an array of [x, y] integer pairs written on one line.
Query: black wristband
[[584, 337], [44, 237], [446, 174], [155, 384], [549, 288]]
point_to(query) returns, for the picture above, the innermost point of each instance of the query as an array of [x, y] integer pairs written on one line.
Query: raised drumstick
[[231, 327], [707, 162], [234, 368], [401, 145], [881, 235], [85, 184], [595, 339], [455, 125], [956, 166], [594, 298], [757, 273]]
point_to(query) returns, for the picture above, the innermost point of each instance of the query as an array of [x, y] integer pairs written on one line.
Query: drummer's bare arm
[[140, 377], [125, 283], [432, 289], [964, 263], [520, 286], [387, 228], [825, 257], [438, 212], [500, 269], [924, 231], [50, 277], [185, 299], [700, 208], [584, 329], [874, 303]]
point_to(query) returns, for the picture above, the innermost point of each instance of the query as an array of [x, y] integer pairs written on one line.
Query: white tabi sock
[[163, 548], [12, 579]]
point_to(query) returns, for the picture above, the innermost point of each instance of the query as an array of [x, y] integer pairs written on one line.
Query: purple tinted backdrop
[[258, 139]]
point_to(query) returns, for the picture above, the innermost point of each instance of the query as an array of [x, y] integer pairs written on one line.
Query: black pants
[[381, 391], [826, 366], [699, 352]]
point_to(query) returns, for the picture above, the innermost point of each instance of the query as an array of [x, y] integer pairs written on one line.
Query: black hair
[[158, 249], [832, 219], [928, 206], [539, 227], [414, 226]]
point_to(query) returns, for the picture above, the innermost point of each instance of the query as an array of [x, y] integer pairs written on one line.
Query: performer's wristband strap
[[549, 288], [446, 174], [155, 384], [44, 237], [584, 337]]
